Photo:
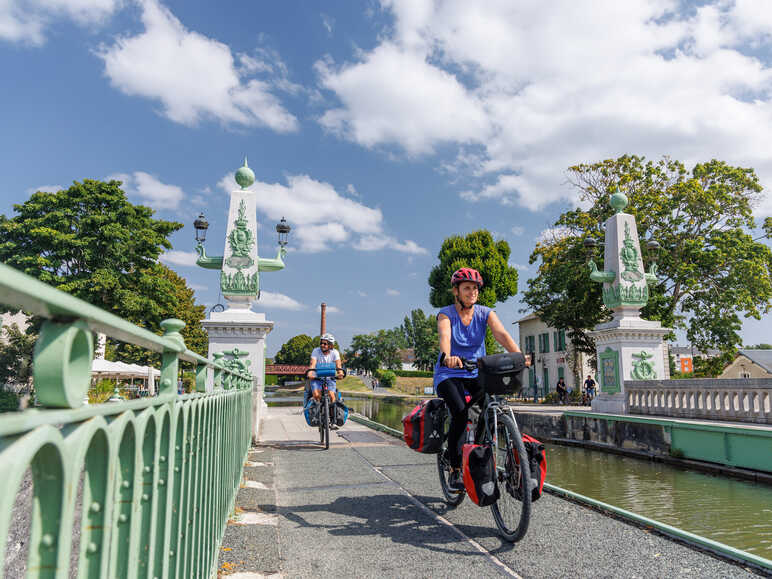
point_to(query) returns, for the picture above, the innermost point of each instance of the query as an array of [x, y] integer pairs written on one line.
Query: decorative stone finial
[[244, 176], [618, 201]]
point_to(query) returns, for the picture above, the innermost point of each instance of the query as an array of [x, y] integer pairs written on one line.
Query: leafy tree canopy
[[368, 352], [479, 251], [711, 269], [91, 242], [295, 351], [420, 333]]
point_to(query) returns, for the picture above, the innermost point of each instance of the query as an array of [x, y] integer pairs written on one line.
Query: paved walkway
[[370, 507]]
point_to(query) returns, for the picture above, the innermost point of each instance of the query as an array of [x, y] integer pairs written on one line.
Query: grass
[[412, 385]]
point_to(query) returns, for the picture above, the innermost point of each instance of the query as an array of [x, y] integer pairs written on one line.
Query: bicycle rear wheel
[[512, 512], [452, 498]]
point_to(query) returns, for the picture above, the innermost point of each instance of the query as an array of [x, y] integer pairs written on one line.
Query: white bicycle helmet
[[328, 338]]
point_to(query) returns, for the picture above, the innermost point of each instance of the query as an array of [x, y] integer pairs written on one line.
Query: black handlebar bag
[[501, 374]]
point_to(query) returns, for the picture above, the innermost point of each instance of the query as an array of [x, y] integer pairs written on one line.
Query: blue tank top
[[465, 341]]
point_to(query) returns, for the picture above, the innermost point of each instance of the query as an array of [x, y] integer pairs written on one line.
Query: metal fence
[[140, 488]]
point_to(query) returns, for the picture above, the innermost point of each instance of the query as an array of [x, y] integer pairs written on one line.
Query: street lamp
[[201, 225], [283, 229]]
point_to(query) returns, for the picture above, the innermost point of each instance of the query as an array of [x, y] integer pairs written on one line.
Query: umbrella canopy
[[104, 367]]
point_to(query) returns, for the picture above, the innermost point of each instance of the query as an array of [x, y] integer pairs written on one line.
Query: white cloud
[[193, 76], [197, 287], [519, 266], [184, 258], [279, 301], [150, 190], [392, 292], [44, 188], [329, 23], [394, 83], [552, 234], [330, 309], [525, 90], [517, 230], [26, 21], [322, 218]]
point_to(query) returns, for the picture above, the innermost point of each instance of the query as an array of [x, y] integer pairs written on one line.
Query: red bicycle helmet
[[466, 274]]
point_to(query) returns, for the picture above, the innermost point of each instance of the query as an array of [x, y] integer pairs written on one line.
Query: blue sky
[[376, 128]]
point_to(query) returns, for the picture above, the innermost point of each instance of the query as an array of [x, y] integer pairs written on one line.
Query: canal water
[[734, 512]]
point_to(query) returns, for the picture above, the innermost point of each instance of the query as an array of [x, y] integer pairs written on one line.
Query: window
[[546, 375], [561, 372], [745, 374], [530, 344], [544, 343], [562, 340]]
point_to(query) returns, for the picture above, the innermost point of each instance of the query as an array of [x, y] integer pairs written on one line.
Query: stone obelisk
[[628, 347], [238, 328]]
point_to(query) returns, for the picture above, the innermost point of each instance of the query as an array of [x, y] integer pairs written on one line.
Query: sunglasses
[[323, 343]]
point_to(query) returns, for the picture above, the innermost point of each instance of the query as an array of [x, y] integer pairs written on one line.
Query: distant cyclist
[[461, 329], [325, 354]]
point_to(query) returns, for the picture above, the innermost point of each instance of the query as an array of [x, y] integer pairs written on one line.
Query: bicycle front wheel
[[512, 512], [326, 422]]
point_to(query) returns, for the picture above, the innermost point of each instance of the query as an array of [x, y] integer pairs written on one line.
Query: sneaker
[[455, 481], [334, 427]]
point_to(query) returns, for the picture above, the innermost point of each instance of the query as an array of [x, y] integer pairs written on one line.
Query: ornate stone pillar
[[628, 347]]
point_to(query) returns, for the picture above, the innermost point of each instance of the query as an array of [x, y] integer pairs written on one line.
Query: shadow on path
[[390, 516]]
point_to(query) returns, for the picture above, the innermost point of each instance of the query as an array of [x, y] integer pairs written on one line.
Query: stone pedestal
[[246, 330], [629, 348]]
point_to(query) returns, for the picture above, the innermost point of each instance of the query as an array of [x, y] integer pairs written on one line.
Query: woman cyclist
[[461, 328]]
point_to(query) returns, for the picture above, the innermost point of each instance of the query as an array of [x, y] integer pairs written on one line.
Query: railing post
[[201, 378], [170, 359]]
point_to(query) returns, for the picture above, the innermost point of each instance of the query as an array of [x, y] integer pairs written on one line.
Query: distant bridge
[[285, 369]]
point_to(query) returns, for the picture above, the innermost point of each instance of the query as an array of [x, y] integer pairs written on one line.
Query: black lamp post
[[590, 244], [201, 225], [653, 248], [283, 229]]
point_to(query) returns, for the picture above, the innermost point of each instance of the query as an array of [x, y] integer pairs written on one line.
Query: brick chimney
[[323, 328]]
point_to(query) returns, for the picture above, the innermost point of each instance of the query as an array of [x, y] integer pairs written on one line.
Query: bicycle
[[496, 426], [324, 374]]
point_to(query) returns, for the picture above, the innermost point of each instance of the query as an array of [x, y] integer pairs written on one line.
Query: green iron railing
[[159, 475]]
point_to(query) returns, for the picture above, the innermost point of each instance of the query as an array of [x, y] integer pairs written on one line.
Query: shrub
[[413, 373], [9, 401], [387, 378]]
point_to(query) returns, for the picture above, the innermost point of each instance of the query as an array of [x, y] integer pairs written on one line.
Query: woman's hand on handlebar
[[339, 374], [311, 374], [453, 362]]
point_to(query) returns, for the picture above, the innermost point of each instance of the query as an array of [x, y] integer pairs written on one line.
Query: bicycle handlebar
[[334, 373], [468, 365]]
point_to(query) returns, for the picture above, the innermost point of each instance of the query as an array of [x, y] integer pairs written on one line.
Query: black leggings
[[452, 392]]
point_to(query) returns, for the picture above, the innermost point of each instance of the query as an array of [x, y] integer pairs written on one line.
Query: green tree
[[479, 251], [711, 270], [174, 299], [420, 334], [91, 242], [16, 356], [759, 347], [295, 351], [361, 355], [387, 346]]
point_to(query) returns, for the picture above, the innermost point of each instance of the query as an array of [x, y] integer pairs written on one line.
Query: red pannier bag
[[423, 427], [479, 469], [537, 461]]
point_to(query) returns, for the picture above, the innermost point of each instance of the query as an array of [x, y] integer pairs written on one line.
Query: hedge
[[413, 373]]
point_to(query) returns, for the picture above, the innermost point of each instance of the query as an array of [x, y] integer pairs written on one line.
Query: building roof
[[762, 358], [529, 317], [689, 351]]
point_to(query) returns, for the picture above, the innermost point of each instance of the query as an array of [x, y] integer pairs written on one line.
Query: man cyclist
[[325, 354], [461, 328]]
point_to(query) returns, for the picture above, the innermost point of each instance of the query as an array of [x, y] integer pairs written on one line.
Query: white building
[[554, 357]]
